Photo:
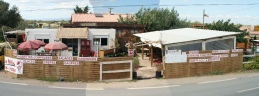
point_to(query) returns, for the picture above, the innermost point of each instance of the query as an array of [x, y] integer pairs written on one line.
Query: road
[[241, 86]]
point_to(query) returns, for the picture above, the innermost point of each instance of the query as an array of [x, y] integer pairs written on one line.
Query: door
[[85, 48]]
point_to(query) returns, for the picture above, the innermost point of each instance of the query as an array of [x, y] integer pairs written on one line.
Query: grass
[[217, 72], [56, 80]]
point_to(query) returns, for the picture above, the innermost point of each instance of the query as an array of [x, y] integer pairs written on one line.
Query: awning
[[72, 33]]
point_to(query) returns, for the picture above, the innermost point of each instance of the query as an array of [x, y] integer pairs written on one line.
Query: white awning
[[182, 35]]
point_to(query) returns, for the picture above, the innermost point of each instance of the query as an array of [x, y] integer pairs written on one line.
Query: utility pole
[[203, 18], [110, 11]]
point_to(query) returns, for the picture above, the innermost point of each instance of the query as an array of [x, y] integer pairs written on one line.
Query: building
[[124, 32]]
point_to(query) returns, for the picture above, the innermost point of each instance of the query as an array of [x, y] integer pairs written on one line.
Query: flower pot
[[134, 75], [158, 74]]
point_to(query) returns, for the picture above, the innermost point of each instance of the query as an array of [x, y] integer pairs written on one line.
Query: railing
[[249, 56]]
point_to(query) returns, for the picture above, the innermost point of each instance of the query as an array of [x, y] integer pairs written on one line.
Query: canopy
[[72, 33], [28, 45], [55, 46], [181, 35]]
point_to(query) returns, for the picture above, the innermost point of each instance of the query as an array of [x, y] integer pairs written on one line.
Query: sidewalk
[[127, 84]]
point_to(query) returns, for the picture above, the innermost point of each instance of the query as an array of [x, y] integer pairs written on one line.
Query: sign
[[29, 61], [220, 51], [49, 62], [88, 24], [194, 52], [65, 58], [237, 50], [34, 57], [71, 63], [220, 55], [15, 53], [200, 55], [234, 55], [87, 58], [130, 52], [14, 65], [204, 60], [175, 56]]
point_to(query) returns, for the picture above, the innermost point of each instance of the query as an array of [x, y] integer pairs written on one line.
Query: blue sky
[[62, 9]]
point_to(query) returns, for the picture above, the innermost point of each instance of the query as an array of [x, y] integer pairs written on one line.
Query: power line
[[249, 4]]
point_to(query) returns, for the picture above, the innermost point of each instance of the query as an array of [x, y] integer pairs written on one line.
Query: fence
[[72, 69], [228, 62]]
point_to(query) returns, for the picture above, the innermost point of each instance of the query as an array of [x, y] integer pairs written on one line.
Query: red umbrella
[[28, 45], [55, 46], [39, 42]]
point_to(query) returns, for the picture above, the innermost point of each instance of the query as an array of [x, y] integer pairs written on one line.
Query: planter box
[[103, 52]]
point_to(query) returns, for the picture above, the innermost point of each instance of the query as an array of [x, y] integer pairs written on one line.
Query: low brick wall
[[226, 64]]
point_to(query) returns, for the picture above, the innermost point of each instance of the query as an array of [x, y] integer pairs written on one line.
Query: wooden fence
[[84, 71], [226, 64]]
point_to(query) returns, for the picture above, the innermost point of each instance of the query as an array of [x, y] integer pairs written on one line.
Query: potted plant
[[159, 68], [135, 67]]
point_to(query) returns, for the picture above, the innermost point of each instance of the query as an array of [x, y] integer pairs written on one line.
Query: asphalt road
[[244, 86]]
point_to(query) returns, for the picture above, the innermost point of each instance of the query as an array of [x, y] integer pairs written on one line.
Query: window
[[119, 32], [44, 40], [104, 41], [72, 43], [132, 31]]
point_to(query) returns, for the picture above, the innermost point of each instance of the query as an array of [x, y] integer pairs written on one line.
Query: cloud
[[38, 9]]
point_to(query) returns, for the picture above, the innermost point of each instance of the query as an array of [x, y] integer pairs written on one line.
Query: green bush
[[250, 66]]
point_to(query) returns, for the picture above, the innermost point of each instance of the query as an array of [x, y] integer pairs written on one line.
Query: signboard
[[34, 57], [15, 53], [29, 61], [175, 56], [71, 63], [200, 55], [130, 52], [14, 65], [87, 58], [220, 55], [237, 50], [49, 62], [234, 55], [204, 60], [220, 51], [194, 52], [65, 58]]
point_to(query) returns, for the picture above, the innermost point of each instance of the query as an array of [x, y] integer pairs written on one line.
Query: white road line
[[216, 81], [66, 87], [76, 88], [253, 76], [248, 89], [14, 83], [153, 87]]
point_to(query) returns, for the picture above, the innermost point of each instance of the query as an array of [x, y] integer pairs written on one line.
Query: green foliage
[[222, 25], [135, 61], [253, 65], [156, 19], [80, 10], [9, 17], [49, 79], [217, 72]]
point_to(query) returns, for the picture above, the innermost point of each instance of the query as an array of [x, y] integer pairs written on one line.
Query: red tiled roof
[[92, 18]]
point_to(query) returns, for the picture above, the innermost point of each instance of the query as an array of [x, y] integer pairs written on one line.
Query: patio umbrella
[[28, 45], [54, 46], [39, 42]]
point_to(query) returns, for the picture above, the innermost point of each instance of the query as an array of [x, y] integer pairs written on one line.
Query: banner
[[14, 65]]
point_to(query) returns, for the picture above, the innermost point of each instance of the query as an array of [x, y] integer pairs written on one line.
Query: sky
[[239, 11]]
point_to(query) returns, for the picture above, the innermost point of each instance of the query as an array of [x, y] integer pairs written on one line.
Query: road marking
[[248, 89], [14, 83], [253, 76], [153, 87], [76, 88], [217, 81]]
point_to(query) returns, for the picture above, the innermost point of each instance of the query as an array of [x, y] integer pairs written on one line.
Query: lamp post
[[203, 15]]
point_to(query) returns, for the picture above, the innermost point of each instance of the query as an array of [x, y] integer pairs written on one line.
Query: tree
[[222, 25], [9, 17], [157, 19], [80, 10]]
